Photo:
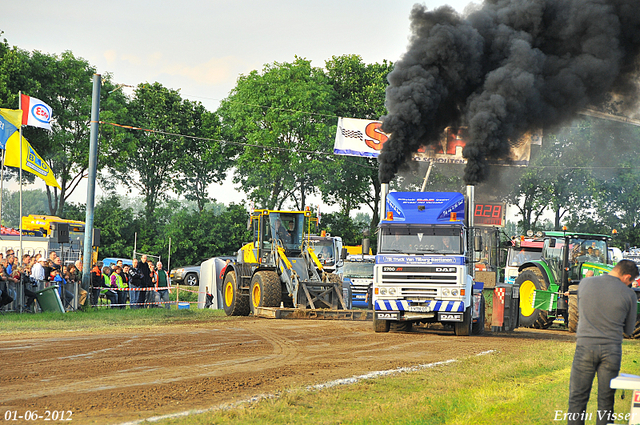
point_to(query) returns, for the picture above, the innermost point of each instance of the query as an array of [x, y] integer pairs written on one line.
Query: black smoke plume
[[508, 67]]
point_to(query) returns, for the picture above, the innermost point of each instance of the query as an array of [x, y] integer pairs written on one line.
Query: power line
[[273, 148]]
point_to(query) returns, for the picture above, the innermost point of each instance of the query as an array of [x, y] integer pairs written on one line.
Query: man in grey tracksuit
[[606, 308]]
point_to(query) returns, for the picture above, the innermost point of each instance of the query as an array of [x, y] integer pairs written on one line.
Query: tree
[[202, 161], [33, 202], [199, 235], [117, 227], [65, 83], [155, 157], [360, 93], [281, 119]]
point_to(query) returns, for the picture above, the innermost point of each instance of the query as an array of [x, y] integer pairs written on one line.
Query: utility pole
[[91, 186]]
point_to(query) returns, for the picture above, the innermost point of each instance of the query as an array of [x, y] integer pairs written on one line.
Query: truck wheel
[[464, 328], [478, 327], [400, 326], [265, 290], [380, 325], [528, 281], [235, 304], [572, 322]]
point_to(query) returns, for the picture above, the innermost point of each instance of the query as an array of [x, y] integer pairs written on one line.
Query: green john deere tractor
[[548, 286]]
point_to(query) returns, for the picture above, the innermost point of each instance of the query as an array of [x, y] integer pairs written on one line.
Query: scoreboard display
[[489, 214]]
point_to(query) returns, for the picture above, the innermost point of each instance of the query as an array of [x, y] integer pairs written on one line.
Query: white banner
[[36, 113], [357, 137]]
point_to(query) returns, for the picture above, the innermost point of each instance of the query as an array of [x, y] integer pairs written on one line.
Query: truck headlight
[[392, 291], [383, 291], [445, 292], [454, 292]]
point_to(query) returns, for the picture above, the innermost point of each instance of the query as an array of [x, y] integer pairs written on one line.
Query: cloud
[[110, 56], [215, 71]]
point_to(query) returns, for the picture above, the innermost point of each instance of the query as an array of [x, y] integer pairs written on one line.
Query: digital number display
[[488, 215]]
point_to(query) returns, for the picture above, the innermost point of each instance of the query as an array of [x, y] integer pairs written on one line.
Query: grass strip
[[528, 387]]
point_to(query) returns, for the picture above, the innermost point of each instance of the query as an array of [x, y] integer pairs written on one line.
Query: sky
[[201, 47]]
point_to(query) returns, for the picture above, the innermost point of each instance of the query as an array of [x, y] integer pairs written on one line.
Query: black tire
[[572, 322], [464, 328], [636, 331], [400, 326], [191, 279], [380, 325], [478, 327], [532, 279], [266, 290], [233, 302]]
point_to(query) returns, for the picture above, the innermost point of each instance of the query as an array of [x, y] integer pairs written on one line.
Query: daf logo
[[445, 269], [449, 316]]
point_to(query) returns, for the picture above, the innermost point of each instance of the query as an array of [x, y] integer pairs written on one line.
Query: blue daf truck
[[424, 266]]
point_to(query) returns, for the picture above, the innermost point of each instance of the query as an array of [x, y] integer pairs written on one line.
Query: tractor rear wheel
[[266, 290], [572, 322], [636, 331], [528, 281], [235, 303]]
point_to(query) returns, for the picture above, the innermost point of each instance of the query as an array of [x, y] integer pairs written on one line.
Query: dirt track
[[127, 375]]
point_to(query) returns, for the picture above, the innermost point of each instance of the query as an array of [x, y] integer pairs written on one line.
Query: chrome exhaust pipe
[[470, 205], [384, 191]]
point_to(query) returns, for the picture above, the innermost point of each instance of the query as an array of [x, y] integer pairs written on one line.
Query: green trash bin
[[49, 299]]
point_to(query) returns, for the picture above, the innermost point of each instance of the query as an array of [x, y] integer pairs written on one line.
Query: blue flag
[[10, 121]]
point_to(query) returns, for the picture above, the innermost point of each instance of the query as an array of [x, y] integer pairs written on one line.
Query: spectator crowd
[[141, 285]]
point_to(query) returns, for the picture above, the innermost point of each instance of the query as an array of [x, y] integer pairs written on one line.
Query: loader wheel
[[235, 304], [380, 325], [528, 281], [572, 322], [400, 326], [266, 290]]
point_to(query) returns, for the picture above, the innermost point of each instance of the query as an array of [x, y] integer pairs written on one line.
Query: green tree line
[[273, 134]]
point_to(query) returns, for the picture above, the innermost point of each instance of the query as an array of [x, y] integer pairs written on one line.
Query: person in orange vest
[[96, 282]]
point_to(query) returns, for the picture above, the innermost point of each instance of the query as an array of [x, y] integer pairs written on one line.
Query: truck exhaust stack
[[384, 191]]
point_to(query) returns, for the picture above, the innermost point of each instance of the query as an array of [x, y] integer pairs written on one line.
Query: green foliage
[[282, 116], [117, 228], [359, 93], [200, 235], [340, 224], [33, 202]]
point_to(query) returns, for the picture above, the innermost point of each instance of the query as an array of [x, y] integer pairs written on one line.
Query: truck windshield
[[323, 249], [358, 269], [420, 240]]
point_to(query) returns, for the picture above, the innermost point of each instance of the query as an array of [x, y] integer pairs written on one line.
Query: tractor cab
[[577, 254], [273, 229]]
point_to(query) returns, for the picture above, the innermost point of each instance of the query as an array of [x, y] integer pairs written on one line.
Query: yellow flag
[[31, 161]]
